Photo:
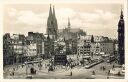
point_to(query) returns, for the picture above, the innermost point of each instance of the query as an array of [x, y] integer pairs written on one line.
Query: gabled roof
[[73, 30]]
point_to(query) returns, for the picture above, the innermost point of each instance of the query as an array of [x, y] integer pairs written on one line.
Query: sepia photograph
[[61, 40]]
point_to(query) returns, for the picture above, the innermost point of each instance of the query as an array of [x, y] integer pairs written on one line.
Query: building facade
[[8, 51], [31, 50], [85, 45], [70, 36], [121, 39], [95, 45], [18, 42], [52, 26], [49, 47], [103, 48], [13, 48], [35, 44]]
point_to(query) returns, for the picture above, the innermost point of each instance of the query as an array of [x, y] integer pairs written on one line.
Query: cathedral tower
[[52, 26], [121, 38], [69, 25]]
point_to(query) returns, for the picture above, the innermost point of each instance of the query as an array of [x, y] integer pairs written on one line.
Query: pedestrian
[[35, 71], [100, 68], [108, 72], [113, 66], [93, 72], [13, 69], [71, 73], [13, 73], [71, 66], [107, 77], [10, 74], [103, 68], [119, 73], [48, 70]]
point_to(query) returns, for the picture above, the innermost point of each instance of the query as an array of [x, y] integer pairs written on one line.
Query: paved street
[[78, 72], [87, 45]]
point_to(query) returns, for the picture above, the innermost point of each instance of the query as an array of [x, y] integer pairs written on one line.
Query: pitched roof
[[73, 30]]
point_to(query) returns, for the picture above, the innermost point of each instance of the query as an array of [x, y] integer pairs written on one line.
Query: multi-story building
[[115, 47], [31, 50], [121, 38], [13, 48], [103, 48], [85, 45], [18, 42], [35, 45], [102, 45], [95, 45], [49, 47], [70, 36], [51, 34], [8, 51]]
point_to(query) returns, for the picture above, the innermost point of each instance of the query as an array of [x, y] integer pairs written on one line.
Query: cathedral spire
[[52, 26], [69, 25], [54, 12], [50, 11]]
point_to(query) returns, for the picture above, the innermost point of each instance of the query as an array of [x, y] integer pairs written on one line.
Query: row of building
[[96, 45], [18, 48], [104, 45]]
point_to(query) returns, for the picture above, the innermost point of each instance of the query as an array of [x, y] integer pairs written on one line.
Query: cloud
[[64, 13], [12, 12], [99, 16], [88, 21], [30, 18], [27, 17]]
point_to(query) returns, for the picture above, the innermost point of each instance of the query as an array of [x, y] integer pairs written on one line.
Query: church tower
[[69, 25], [121, 38], [52, 26]]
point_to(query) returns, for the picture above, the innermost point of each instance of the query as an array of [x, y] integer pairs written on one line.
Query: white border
[[64, 1]]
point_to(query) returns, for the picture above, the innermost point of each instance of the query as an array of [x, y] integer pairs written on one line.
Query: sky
[[95, 19]]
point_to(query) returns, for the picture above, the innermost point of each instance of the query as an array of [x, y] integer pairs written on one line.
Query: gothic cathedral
[[52, 26]]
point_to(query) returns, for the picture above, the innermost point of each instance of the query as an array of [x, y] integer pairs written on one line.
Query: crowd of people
[[34, 68]]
